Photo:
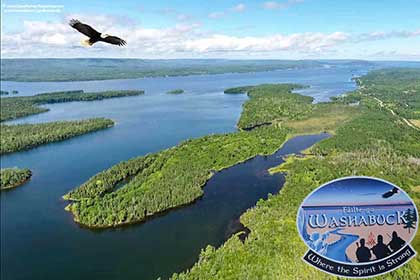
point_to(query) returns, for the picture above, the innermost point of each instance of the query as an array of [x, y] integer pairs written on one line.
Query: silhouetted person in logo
[[363, 253], [380, 249], [396, 242]]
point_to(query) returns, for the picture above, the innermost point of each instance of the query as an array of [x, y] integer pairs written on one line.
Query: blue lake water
[[39, 240]]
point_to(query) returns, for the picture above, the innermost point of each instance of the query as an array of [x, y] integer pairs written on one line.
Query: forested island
[[373, 135], [13, 177], [176, 91], [83, 69], [20, 137], [22, 106]]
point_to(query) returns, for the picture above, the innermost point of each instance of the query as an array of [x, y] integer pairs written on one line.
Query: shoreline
[[163, 212], [23, 182], [288, 135], [148, 76], [33, 146]]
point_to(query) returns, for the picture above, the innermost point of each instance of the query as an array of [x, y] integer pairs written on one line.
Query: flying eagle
[[390, 193], [95, 36]]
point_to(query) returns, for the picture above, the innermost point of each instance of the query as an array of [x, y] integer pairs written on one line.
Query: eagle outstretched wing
[[84, 28], [114, 40]]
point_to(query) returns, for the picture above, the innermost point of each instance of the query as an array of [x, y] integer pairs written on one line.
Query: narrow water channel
[[172, 242], [39, 240], [161, 246]]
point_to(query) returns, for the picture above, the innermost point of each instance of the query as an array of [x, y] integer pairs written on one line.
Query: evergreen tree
[[410, 218]]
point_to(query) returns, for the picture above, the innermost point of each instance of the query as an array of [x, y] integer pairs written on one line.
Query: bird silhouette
[[390, 193], [95, 36]]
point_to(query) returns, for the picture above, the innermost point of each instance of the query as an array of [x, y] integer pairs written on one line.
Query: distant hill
[[33, 70]]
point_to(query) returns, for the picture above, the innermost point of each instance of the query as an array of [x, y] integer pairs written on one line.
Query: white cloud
[[173, 13], [166, 11], [393, 54], [381, 35], [47, 39], [183, 17], [301, 42], [216, 15], [236, 9], [273, 5], [239, 8]]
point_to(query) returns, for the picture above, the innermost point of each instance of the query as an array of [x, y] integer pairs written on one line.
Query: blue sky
[[290, 29], [361, 191]]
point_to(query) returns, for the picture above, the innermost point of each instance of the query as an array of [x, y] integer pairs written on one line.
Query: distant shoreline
[[142, 76], [51, 70]]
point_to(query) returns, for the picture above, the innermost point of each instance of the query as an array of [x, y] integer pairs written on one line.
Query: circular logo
[[358, 227]]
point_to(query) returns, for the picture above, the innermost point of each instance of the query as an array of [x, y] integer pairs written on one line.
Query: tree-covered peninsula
[[174, 177], [271, 103], [17, 107], [13, 177], [370, 140], [167, 179], [20, 137]]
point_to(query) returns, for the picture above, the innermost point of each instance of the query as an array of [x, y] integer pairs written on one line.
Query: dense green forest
[[17, 107], [396, 90], [166, 179], [13, 177], [176, 91], [367, 130], [26, 136], [369, 140], [32, 70], [273, 249], [271, 103]]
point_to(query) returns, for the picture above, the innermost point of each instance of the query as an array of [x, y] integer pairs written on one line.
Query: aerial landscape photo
[[178, 139]]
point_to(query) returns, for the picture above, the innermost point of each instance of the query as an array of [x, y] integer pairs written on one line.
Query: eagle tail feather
[[86, 43]]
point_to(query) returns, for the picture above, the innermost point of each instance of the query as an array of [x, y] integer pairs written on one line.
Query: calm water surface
[[39, 240]]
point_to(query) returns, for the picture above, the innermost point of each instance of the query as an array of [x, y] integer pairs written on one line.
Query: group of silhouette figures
[[380, 249]]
